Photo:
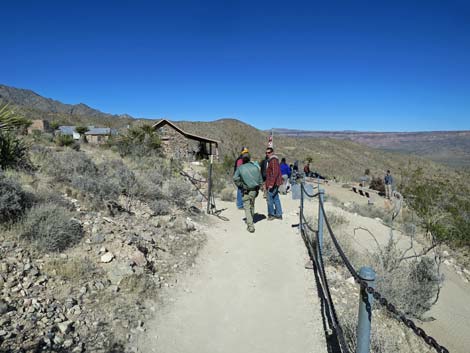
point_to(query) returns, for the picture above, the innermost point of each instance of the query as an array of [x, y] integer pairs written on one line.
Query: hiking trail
[[247, 292]]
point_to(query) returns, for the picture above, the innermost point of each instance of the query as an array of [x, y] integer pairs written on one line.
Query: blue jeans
[[239, 198], [274, 203]]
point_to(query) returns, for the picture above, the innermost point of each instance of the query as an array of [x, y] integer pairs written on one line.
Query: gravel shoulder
[[247, 292]]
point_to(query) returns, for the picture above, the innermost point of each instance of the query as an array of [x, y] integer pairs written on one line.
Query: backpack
[[264, 166]]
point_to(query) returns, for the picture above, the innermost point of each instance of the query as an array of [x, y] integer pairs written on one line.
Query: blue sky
[[317, 65]]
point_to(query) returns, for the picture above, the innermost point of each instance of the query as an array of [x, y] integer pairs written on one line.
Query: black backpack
[[264, 166]]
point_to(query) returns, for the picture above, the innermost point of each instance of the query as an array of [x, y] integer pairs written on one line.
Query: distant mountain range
[[447, 147], [34, 106]]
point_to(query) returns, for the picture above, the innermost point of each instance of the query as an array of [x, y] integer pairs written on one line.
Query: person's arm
[[237, 178]]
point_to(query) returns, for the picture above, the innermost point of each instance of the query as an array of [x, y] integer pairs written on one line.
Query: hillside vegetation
[[345, 160]]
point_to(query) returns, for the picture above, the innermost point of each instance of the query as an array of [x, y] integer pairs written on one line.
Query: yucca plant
[[9, 121]]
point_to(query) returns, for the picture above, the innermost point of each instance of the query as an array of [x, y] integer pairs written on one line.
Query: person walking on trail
[[388, 181], [273, 181], [264, 166], [239, 162], [248, 178], [285, 172]]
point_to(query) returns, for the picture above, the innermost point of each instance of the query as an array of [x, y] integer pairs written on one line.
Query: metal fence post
[[209, 185], [365, 312], [301, 203], [320, 218]]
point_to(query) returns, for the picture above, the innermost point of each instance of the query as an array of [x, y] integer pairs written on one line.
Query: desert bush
[[48, 195], [160, 207], [64, 140], [227, 194], [13, 152], [442, 207], [13, 200], [369, 211], [331, 255], [178, 191], [77, 269], [411, 285], [51, 228], [377, 183], [138, 141]]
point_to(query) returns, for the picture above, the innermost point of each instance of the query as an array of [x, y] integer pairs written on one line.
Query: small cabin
[[180, 144]]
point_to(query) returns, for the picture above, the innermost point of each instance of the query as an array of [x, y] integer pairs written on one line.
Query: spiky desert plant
[[9, 120]]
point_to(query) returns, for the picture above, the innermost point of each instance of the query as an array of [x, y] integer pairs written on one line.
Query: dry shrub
[[79, 269], [142, 285], [382, 339], [45, 195], [411, 285], [160, 207], [13, 200], [51, 228], [369, 211], [227, 194]]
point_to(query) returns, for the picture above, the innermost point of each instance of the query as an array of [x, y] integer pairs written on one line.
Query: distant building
[[68, 130], [39, 125], [179, 144], [99, 135], [95, 135]]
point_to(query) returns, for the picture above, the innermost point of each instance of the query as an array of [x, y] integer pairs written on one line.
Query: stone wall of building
[[177, 145], [97, 139], [40, 125]]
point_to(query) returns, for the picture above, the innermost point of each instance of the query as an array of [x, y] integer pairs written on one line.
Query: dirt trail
[[248, 293]]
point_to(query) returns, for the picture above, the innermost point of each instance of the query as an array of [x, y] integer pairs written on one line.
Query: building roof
[[70, 130], [66, 130], [100, 131], [164, 122]]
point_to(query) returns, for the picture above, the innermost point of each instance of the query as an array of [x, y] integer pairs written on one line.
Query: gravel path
[[248, 293]]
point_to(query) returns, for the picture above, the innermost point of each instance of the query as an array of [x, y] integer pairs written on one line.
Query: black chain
[[383, 301], [306, 193]]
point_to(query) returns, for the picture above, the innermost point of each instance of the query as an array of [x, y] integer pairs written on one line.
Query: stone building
[[39, 125], [179, 144], [99, 135]]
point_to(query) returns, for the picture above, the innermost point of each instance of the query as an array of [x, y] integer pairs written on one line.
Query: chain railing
[[367, 290]]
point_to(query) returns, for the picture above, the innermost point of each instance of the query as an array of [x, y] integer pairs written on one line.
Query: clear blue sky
[[322, 65]]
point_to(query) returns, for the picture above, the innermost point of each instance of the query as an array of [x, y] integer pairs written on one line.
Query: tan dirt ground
[[247, 293]]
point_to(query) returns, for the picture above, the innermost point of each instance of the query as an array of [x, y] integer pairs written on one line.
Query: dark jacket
[[264, 165]]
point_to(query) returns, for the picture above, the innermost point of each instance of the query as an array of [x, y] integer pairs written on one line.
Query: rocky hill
[[341, 154], [34, 106]]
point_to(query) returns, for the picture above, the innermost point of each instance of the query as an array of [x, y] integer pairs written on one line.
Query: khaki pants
[[249, 206], [388, 191]]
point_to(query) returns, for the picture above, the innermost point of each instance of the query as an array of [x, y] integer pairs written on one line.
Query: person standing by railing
[[273, 181], [285, 172], [388, 181]]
